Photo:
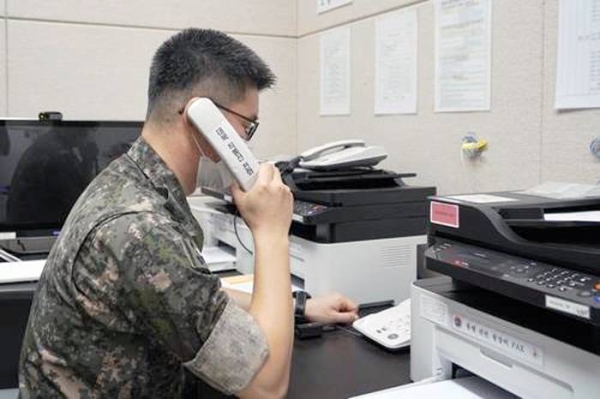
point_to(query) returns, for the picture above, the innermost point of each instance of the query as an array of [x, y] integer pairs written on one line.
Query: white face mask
[[214, 175]]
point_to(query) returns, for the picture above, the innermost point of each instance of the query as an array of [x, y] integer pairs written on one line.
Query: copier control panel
[[557, 288]]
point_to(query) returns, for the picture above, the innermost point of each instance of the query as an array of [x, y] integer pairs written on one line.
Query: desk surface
[[341, 365]]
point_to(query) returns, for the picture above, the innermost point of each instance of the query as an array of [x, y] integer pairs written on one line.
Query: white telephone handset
[[315, 152], [340, 154], [211, 123]]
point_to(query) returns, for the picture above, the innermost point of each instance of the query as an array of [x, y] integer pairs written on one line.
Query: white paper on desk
[[463, 44], [578, 69], [335, 71], [462, 388], [18, 272], [396, 63], [244, 283], [247, 287]]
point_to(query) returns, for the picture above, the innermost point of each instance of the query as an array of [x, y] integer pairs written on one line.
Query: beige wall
[[92, 62], [84, 71], [90, 59], [529, 141], [2, 58], [262, 17], [3, 94], [566, 135]]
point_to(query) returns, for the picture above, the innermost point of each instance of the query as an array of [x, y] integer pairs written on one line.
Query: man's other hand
[[331, 309]]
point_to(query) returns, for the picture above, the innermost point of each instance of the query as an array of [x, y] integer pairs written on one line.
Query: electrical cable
[[235, 229], [348, 330]]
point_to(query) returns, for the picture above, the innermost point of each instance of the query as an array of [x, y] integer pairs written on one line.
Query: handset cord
[[236, 214], [284, 167]]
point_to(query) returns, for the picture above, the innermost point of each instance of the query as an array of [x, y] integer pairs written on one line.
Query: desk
[[15, 301], [336, 365], [340, 365]]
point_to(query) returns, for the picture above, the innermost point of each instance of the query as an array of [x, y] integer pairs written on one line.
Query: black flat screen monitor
[[46, 165]]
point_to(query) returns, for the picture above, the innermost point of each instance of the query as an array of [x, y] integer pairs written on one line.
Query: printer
[[354, 230], [519, 305], [357, 231]]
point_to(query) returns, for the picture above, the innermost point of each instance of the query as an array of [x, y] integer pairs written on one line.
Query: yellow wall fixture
[[472, 147]]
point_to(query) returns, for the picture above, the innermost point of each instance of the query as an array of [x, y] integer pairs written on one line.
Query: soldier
[[125, 304]]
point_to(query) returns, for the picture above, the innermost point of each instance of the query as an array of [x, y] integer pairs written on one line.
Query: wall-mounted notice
[[396, 63], [578, 70], [463, 43], [326, 5], [335, 72]]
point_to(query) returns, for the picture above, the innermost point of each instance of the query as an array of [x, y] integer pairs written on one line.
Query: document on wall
[[326, 5], [578, 69], [463, 44], [335, 72], [396, 63]]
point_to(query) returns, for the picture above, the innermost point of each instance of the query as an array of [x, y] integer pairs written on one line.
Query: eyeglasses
[[249, 130]]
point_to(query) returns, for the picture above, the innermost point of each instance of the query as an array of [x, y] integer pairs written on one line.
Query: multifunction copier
[[520, 303], [354, 231]]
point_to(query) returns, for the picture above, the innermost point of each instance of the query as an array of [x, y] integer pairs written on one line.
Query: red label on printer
[[444, 214]]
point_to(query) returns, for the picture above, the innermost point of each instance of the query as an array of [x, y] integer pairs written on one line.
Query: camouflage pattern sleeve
[[153, 274]]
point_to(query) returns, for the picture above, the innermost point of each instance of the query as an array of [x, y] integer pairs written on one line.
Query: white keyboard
[[390, 327]]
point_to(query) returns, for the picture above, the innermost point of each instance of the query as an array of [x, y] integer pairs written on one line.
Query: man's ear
[[185, 109]]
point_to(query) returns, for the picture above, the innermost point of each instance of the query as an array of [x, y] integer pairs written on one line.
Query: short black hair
[[207, 60]]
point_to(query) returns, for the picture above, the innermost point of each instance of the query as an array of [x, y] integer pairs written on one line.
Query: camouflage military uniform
[[124, 302]]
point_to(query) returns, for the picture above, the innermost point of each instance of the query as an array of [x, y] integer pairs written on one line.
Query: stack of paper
[[218, 258], [18, 272], [462, 388], [244, 283]]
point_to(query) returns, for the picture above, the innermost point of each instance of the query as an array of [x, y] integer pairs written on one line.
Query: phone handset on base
[[233, 151], [342, 154], [316, 152]]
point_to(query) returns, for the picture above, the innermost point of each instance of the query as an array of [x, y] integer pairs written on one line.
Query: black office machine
[[542, 251], [356, 204]]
